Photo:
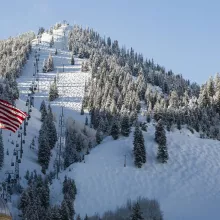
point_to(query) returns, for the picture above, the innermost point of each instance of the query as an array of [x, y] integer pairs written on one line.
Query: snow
[[187, 187]]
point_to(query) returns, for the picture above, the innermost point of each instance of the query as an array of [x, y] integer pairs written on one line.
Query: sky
[[180, 35]]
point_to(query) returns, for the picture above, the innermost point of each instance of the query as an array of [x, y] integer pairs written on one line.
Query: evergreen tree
[[43, 147], [55, 52], [43, 110], [64, 211], [1, 151], [86, 121], [72, 62], [86, 217], [82, 111], [139, 148], [160, 138], [53, 92], [78, 217], [136, 213], [125, 125], [115, 130], [50, 66], [98, 137]]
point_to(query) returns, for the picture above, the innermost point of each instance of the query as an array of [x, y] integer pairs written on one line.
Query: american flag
[[10, 117]]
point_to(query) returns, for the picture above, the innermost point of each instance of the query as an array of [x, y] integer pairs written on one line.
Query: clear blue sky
[[181, 35]]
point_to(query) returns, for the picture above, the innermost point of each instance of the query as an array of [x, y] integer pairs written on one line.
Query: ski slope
[[71, 84], [187, 187]]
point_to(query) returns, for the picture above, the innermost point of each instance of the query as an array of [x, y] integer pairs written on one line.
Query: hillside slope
[[186, 187]]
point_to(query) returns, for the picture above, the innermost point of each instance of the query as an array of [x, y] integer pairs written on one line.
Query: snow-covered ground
[[187, 187], [71, 84]]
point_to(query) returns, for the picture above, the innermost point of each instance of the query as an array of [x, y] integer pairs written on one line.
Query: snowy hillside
[[70, 83], [186, 187]]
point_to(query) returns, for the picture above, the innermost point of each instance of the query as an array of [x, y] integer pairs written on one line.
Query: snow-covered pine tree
[[115, 130], [82, 111], [53, 92], [78, 217], [1, 151], [50, 66], [64, 211], [51, 128], [136, 212], [43, 110], [86, 121], [125, 125], [98, 137], [139, 148], [72, 61], [160, 138], [43, 147]]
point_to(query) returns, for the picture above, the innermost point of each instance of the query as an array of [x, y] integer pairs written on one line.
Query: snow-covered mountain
[[186, 186]]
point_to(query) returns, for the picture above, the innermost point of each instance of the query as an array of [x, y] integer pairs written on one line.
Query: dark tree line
[[47, 136], [35, 200]]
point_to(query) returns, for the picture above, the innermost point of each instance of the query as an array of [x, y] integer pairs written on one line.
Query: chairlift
[[25, 133], [19, 160], [20, 127], [17, 145], [12, 164], [14, 153], [26, 123], [23, 141], [19, 135]]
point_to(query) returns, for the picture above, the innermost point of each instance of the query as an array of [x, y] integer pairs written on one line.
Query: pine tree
[[55, 52], [82, 111], [43, 110], [78, 217], [160, 138], [136, 213], [64, 211], [86, 121], [50, 66], [72, 62], [1, 151], [139, 148], [115, 130], [125, 125], [43, 147], [98, 137], [53, 92], [86, 217]]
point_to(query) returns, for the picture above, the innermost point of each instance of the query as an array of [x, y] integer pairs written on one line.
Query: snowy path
[[71, 82]]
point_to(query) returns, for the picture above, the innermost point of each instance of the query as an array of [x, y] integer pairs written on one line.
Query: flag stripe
[[12, 110], [9, 113], [7, 127], [10, 117], [8, 124], [12, 107], [4, 119]]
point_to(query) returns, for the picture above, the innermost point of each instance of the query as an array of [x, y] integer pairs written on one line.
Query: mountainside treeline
[[122, 80], [14, 52]]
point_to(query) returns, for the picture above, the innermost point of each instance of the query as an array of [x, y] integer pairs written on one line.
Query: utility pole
[[125, 161], [60, 139]]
